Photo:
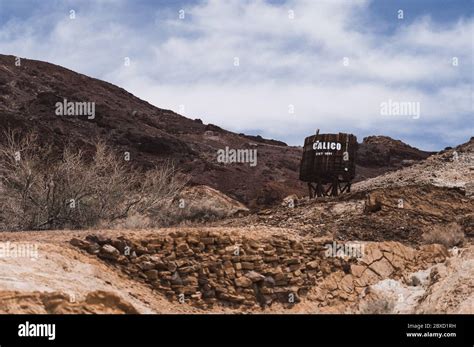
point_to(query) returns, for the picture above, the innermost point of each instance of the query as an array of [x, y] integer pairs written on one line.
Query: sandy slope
[[61, 268]]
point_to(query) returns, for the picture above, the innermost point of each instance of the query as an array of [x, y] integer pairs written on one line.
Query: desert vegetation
[[449, 235], [378, 306], [42, 189]]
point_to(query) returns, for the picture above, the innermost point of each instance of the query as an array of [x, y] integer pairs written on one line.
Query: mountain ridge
[[151, 134]]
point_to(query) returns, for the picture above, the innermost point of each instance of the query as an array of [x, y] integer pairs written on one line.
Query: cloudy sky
[[276, 68]]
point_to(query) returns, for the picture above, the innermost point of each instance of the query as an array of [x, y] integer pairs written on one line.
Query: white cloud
[[283, 61]]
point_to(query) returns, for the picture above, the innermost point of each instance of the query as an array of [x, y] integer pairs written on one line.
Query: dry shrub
[[136, 221], [379, 305], [373, 203], [201, 213], [44, 191], [467, 224], [449, 235]]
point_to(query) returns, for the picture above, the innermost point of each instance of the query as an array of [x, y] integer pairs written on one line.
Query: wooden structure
[[328, 163]]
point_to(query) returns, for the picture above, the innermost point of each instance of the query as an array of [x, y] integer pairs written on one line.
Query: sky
[[277, 68]]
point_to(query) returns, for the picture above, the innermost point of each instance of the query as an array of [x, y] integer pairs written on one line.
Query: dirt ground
[[400, 271], [66, 275], [60, 278]]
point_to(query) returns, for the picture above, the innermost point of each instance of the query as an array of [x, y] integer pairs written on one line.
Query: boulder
[[243, 282], [371, 254], [247, 265], [382, 267], [357, 270], [152, 274], [313, 265], [147, 265], [79, 243], [269, 281], [109, 252], [255, 276]]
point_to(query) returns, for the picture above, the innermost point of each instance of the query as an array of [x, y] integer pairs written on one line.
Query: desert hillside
[[28, 94], [399, 243], [240, 238]]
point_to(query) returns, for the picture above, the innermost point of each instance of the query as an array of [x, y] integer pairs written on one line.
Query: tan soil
[[62, 272]]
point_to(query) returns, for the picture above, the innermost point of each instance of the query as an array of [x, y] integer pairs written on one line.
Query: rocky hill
[[451, 168], [399, 205], [401, 242], [379, 154], [29, 92]]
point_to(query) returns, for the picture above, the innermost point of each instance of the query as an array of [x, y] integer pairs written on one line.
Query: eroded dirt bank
[[205, 270]]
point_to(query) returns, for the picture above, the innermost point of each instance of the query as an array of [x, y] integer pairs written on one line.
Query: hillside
[[410, 257], [28, 94], [406, 229]]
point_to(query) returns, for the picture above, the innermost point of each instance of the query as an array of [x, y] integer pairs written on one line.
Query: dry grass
[[448, 235], [202, 213]]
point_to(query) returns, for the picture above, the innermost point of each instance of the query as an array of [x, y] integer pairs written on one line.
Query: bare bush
[[379, 305], [41, 191], [202, 213], [170, 214], [448, 235], [200, 204]]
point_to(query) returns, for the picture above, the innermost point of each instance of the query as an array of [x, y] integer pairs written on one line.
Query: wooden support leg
[[328, 190], [335, 187], [311, 190], [347, 188], [320, 189], [316, 189]]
